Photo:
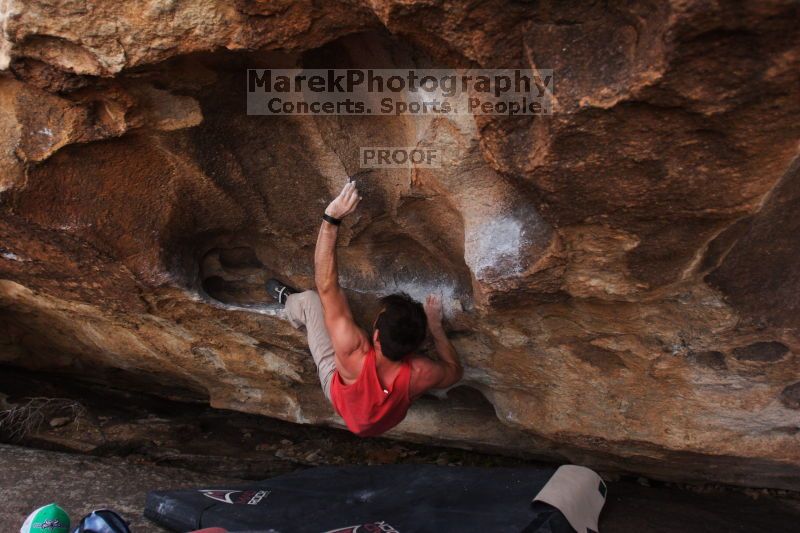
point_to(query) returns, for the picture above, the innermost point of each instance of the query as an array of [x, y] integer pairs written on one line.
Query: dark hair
[[401, 325]]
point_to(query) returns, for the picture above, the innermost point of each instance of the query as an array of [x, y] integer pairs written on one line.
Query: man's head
[[400, 327]]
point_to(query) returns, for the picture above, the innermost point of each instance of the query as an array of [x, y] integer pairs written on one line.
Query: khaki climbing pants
[[305, 309]]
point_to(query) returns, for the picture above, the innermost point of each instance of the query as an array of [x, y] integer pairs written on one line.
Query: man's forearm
[[447, 353], [326, 276]]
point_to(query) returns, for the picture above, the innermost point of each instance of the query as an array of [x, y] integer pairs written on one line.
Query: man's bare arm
[[445, 372], [345, 333]]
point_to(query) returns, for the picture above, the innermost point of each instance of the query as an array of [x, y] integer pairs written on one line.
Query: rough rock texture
[[621, 277]]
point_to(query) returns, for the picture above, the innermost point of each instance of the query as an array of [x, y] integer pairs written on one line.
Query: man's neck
[[381, 361]]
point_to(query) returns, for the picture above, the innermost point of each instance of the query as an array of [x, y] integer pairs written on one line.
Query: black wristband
[[327, 218]]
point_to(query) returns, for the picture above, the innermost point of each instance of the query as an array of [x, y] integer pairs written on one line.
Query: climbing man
[[371, 381]]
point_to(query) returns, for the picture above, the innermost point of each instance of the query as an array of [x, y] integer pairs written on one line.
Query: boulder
[[618, 276]]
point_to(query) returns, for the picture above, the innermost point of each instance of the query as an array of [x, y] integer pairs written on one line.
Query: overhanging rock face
[[620, 278]]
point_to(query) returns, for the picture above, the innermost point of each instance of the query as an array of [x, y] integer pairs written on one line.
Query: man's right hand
[[433, 311], [345, 203]]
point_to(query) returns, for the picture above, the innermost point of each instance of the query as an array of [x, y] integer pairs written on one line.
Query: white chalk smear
[[419, 290], [495, 245], [11, 256], [269, 309], [364, 496]]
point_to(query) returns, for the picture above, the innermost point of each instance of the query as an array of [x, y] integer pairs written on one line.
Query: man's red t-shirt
[[368, 409]]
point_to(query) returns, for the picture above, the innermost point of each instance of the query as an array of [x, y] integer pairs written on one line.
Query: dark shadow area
[[235, 276]]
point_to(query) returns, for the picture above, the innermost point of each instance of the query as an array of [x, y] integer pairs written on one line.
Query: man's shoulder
[[419, 362], [349, 367], [425, 373]]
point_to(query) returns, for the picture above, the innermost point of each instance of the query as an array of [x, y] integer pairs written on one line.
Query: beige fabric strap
[[576, 492]]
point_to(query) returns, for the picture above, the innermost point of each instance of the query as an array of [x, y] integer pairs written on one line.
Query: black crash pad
[[368, 499]]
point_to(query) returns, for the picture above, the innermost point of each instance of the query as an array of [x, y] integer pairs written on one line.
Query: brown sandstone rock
[[618, 276]]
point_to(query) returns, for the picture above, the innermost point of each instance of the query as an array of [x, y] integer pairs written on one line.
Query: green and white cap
[[48, 519]]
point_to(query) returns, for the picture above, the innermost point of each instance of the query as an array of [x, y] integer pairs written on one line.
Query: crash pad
[[368, 499]]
